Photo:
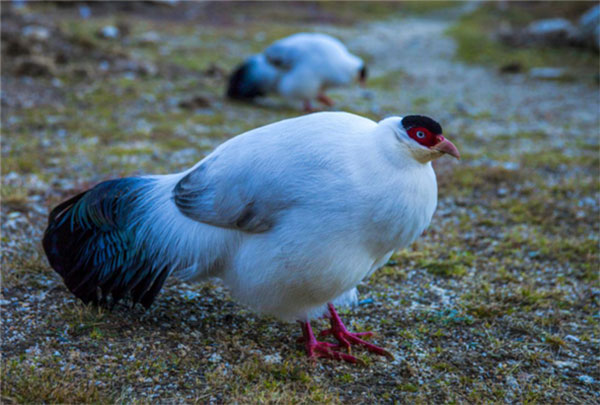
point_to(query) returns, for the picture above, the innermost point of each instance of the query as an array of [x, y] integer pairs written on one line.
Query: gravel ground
[[497, 302]]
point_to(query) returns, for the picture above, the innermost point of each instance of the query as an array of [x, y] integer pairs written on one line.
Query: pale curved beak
[[445, 146]]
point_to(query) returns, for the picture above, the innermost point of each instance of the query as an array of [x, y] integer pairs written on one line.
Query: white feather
[[302, 65], [341, 192]]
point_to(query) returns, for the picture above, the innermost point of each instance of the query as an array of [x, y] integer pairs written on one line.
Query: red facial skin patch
[[424, 136]]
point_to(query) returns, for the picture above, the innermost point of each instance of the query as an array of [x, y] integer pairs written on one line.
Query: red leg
[[316, 349], [325, 100], [347, 339], [308, 106]]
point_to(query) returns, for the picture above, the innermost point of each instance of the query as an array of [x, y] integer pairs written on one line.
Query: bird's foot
[[325, 100], [316, 349], [347, 338]]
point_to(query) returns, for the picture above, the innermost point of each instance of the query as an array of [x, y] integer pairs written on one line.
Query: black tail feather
[[242, 86], [90, 242]]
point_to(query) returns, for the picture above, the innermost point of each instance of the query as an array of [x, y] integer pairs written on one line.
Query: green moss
[[14, 198], [388, 81], [408, 387], [455, 265], [256, 381], [419, 102], [474, 35], [554, 158]]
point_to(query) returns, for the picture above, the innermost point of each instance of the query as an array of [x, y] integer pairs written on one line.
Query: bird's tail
[[120, 239], [253, 78]]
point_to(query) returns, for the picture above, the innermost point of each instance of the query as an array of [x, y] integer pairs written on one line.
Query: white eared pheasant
[[300, 67], [291, 216]]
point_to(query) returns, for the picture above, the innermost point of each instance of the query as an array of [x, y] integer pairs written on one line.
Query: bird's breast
[[401, 212]]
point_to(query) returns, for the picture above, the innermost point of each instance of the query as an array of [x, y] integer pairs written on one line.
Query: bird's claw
[[347, 338], [323, 350]]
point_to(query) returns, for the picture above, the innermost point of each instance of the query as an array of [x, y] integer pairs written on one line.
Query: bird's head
[[361, 76], [423, 138]]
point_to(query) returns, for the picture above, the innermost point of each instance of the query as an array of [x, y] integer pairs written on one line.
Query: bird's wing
[[241, 185], [252, 180], [291, 51], [282, 55], [225, 198], [322, 55]]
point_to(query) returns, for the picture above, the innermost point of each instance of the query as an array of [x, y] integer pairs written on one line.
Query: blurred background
[[497, 302]]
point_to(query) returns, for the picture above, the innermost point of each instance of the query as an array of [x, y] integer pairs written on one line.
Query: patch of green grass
[[554, 158], [387, 81], [420, 102], [464, 179], [47, 383], [255, 381], [408, 387], [455, 265], [14, 198]]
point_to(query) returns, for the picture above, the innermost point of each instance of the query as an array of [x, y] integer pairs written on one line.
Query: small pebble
[[586, 379]]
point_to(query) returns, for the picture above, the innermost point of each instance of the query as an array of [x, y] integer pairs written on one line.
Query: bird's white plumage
[[334, 193], [302, 65]]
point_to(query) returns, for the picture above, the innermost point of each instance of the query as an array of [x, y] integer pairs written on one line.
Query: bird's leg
[[347, 339], [316, 349], [325, 100], [308, 106]]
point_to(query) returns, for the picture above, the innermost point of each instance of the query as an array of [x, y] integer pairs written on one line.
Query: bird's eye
[[420, 134]]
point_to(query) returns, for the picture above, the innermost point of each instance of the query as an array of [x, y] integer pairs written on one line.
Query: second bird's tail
[[253, 78]]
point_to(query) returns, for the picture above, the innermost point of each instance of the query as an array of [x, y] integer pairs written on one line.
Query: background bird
[[300, 67], [291, 216]]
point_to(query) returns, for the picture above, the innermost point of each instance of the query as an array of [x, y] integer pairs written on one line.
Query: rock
[[36, 32], [104, 65], [143, 127], [550, 32], [35, 66], [150, 37], [572, 338], [215, 358], [553, 29], [512, 383], [85, 12], [273, 358], [109, 32], [549, 73], [586, 379], [194, 103], [565, 364], [589, 25]]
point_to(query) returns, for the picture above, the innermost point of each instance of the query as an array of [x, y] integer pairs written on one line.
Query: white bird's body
[[299, 67], [291, 216]]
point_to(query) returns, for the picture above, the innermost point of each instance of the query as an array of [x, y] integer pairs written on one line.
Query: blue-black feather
[[243, 85], [91, 242]]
